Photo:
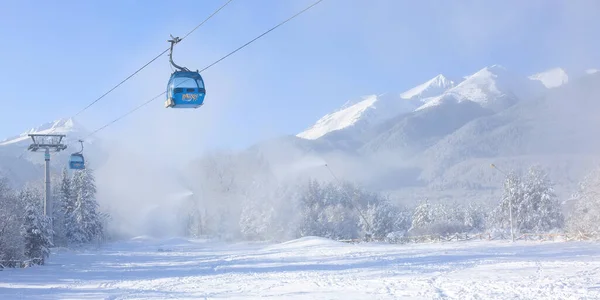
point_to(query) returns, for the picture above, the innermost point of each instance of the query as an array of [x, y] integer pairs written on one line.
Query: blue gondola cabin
[[77, 162], [185, 90]]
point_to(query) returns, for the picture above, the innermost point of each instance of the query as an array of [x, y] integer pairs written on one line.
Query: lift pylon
[[47, 143]]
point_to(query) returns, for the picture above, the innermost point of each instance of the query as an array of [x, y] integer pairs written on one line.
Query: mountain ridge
[[374, 109]]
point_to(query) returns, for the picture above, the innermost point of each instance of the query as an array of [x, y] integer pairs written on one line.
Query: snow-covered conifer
[[422, 216], [86, 220], [512, 198], [36, 228], [540, 210]]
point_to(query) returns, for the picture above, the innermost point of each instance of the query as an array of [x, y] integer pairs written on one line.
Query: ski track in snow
[[313, 268]]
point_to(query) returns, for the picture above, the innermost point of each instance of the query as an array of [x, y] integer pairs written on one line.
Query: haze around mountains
[[435, 140]]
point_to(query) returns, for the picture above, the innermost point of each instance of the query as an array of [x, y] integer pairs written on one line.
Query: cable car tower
[[48, 143]]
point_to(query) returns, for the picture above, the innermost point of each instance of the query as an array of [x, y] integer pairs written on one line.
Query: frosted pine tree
[[36, 229], [194, 226], [512, 197], [68, 206], [540, 211], [254, 219], [422, 217], [311, 204], [370, 224], [342, 217], [64, 205], [87, 220], [257, 210]]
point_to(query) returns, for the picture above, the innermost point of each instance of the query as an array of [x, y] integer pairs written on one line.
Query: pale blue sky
[[57, 56]]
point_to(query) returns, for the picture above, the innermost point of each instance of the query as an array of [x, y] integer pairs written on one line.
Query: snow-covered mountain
[[374, 109], [433, 87], [437, 108], [492, 87], [68, 127], [548, 130], [551, 78], [448, 140]]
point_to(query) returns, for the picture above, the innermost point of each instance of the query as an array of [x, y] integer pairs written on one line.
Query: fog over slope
[[434, 141]]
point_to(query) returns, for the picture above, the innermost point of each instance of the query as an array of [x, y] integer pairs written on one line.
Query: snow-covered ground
[[313, 268]]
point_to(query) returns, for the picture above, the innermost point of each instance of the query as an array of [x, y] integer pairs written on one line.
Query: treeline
[[27, 234], [262, 210]]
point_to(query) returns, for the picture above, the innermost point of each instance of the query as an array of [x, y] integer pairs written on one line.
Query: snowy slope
[[409, 134], [372, 109], [375, 109], [312, 268], [551, 78]]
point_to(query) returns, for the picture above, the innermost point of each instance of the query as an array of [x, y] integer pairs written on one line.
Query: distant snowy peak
[[591, 71], [433, 87], [371, 109], [481, 86], [492, 87], [551, 78], [61, 126], [58, 126]]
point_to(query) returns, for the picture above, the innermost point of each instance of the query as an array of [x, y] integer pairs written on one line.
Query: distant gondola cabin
[[76, 162]]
